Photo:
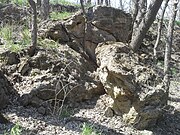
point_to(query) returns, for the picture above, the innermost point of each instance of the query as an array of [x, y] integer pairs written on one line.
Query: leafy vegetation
[[60, 15], [88, 130], [8, 35], [15, 130], [47, 43], [177, 23], [19, 2], [63, 2]]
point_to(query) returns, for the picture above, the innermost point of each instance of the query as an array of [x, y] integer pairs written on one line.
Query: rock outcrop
[[101, 24], [134, 86], [53, 75]]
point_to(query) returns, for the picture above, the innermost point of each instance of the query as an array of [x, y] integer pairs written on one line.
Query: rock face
[[102, 24], [134, 86]]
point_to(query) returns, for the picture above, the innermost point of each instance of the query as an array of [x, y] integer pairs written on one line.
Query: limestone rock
[[24, 67], [58, 74], [113, 21], [134, 86], [103, 24]]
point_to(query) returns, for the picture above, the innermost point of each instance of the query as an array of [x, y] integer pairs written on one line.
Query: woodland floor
[[91, 113]]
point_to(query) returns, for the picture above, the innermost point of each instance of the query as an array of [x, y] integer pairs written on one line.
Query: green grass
[[8, 34], [15, 130], [89, 130], [47, 43], [174, 71], [63, 2], [60, 16], [20, 2], [177, 23], [26, 36]]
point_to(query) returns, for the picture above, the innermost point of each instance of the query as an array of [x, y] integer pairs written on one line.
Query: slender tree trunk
[[139, 34], [82, 7], [85, 16], [98, 2], [168, 47], [39, 3], [142, 7], [34, 23], [135, 8], [159, 31], [121, 4], [107, 2], [45, 9], [102, 2], [89, 2]]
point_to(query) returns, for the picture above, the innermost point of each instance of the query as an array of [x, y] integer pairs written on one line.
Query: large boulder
[[102, 24], [134, 85]]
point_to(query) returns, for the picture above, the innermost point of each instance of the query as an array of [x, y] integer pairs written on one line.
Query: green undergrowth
[[15, 39], [48, 43], [15, 130], [60, 15], [64, 2], [20, 2], [89, 130]]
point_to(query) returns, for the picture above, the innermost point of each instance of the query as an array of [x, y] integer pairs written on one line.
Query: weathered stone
[[101, 25], [137, 95], [24, 67], [113, 21], [64, 73], [108, 112], [42, 110], [146, 132], [12, 58], [5, 90], [58, 33]]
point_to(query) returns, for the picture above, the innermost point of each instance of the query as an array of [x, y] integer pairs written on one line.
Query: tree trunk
[[142, 7], [121, 5], [169, 39], [106, 2], [159, 31], [102, 2], [109, 2], [45, 9], [89, 2], [34, 23], [82, 6], [39, 3], [134, 9], [98, 2], [139, 34]]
